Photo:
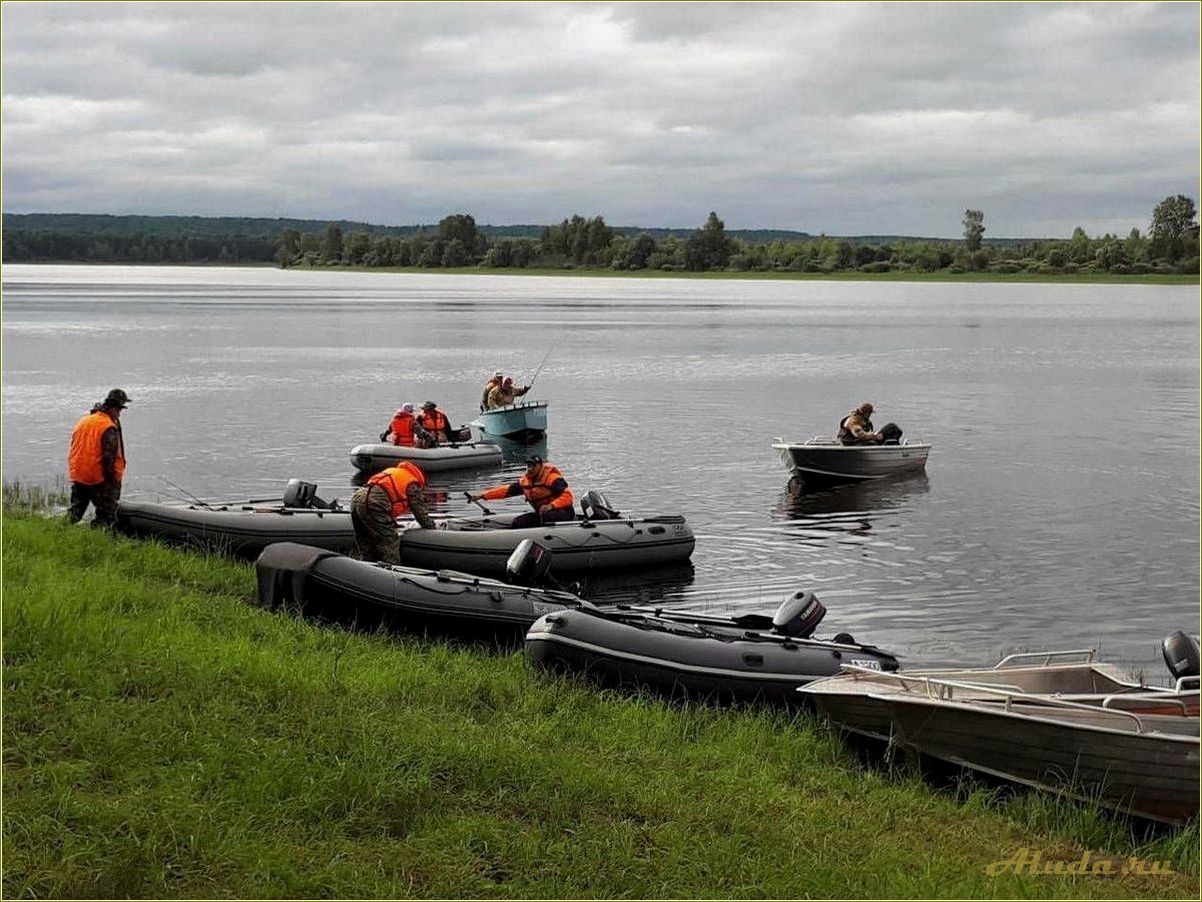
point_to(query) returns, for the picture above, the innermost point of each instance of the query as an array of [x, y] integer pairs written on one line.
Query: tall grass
[[164, 737]]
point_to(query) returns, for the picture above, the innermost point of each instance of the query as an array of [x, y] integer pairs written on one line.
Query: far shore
[[1059, 278]]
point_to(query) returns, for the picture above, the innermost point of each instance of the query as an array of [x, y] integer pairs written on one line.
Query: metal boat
[[1071, 726], [750, 657], [825, 459], [527, 420], [371, 458]]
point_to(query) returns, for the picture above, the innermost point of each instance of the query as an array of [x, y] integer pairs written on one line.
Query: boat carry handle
[[1046, 657]]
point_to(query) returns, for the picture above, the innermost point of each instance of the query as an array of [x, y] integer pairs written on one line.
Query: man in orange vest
[[96, 461], [435, 422], [545, 489], [387, 495]]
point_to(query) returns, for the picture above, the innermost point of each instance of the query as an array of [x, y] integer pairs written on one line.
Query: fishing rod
[[185, 492], [530, 384]]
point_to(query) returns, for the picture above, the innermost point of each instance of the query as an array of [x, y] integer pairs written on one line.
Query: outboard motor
[[595, 506], [529, 563], [1181, 655], [299, 493], [799, 616]]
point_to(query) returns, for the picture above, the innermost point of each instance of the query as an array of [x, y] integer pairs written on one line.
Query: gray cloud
[[842, 118]]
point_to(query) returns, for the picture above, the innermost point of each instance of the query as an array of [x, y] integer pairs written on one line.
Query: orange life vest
[[434, 422], [395, 482], [539, 492], [401, 429], [84, 460]]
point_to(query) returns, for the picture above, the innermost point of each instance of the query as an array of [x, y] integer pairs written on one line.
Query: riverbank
[[603, 273], [164, 737], [1052, 278]]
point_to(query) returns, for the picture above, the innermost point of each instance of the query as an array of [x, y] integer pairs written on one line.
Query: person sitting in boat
[[387, 495], [544, 487], [406, 431], [856, 429], [494, 382], [505, 393], [435, 422]]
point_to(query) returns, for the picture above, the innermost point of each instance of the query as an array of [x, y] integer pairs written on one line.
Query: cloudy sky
[[847, 118]]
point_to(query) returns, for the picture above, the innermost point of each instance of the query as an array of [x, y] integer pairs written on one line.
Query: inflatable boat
[[314, 579], [751, 657], [243, 528], [603, 539], [457, 456]]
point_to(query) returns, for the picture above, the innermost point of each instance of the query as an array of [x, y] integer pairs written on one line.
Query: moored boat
[[310, 578], [242, 528], [751, 657], [483, 544], [373, 457], [827, 460], [1074, 727], [524, 421]]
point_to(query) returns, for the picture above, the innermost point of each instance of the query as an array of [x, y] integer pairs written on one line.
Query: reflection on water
[[666, 396]]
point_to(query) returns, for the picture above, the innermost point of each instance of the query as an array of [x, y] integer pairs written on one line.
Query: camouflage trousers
[[375, 530], [104, 496]]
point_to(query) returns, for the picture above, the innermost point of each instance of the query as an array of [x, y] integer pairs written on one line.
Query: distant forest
[[1170, 245]]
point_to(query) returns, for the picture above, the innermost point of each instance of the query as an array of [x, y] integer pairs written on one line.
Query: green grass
[[164, 738], [1063, 278]]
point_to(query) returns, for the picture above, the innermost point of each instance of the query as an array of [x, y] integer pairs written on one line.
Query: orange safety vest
[[539, 493], [84, 459], [434, 422], [395, 481], [401, 430]]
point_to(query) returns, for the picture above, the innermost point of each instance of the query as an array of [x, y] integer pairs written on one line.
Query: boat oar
[[468, 496]]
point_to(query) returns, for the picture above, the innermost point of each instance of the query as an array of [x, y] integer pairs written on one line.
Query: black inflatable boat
[[750, 657], [311, 578]]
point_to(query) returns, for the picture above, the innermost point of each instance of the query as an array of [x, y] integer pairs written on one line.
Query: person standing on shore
[[389, 494], [96, 461]]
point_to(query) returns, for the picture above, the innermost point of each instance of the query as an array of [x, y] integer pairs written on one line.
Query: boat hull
[[714, 663], [320, 581], [374, 457], [1149, 774], [521, 421], [483, 545], [829, 461], [241, 530]]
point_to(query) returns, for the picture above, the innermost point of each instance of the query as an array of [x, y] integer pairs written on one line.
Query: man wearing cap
[[96, 460], [387, 495], [504, 394], [545, 489], [496, 380], [404, 430], [856, 429], [435, 422]]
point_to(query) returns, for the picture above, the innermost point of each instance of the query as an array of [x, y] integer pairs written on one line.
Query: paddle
[[468, 496]]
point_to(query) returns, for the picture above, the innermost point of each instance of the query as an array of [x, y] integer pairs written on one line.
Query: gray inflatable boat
[[602, 540], [458, 456], [240, 528], [317, 580], [751, 657]]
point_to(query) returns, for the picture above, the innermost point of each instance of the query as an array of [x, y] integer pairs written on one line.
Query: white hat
[[406, 408], [497, 374]]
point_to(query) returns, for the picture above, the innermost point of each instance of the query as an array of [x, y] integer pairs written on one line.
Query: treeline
[[1170, 245]]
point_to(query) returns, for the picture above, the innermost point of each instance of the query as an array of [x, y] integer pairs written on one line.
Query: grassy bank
[[162, 737], [1059, 279]]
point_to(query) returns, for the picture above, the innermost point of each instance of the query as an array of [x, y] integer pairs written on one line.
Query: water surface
[[1060, 506]]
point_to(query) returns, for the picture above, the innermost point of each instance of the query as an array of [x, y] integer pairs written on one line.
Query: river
[[1060, 506]]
